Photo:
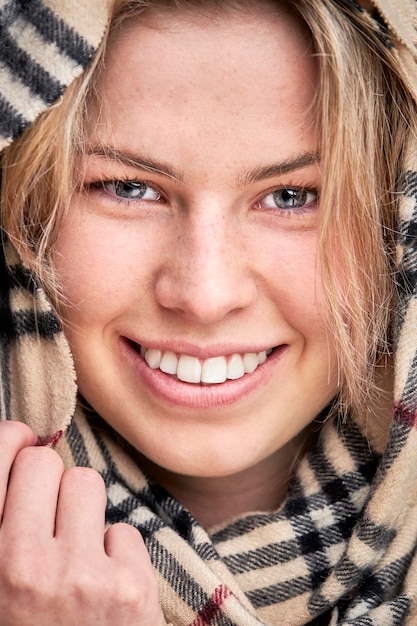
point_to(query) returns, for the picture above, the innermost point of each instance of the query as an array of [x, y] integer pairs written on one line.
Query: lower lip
[[191, 395]]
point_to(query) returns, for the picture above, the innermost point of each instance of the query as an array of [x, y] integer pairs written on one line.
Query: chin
[[194, 463]]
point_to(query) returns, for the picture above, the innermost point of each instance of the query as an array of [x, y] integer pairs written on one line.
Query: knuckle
[[39, 456], [85, 475], [120, 594], [85, 587], [14, 428], [136, 586], [19, 577], [14, 435], [126, 532], [130, 593], [83, 482]]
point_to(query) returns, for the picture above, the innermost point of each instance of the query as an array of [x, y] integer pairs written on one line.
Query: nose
[[207, 275]]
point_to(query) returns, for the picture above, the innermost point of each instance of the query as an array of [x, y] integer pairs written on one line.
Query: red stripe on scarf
[[213, 606], [404, 415], [50, 440]]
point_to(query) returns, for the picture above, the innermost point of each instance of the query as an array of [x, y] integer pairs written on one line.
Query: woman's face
[[191, 248]]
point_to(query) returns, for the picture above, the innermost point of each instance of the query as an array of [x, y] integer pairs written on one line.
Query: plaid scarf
[[341, 548]]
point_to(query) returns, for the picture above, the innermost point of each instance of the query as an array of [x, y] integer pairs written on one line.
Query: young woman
[[213, 230]]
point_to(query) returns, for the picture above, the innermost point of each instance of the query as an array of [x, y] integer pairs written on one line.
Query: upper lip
[[204, 352]]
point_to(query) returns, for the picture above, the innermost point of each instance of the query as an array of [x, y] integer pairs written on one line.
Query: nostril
[[205, 290]]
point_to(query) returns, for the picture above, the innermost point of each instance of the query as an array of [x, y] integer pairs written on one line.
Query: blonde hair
[[363, 107]]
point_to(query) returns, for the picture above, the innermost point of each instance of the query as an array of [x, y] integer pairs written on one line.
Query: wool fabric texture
[[341, 548]]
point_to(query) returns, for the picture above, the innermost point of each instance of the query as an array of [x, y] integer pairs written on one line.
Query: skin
[[207, 265], [76, 574]]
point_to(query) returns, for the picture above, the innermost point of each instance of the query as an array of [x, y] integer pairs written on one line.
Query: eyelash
[[292, 192], [134, 184], [144, 186]]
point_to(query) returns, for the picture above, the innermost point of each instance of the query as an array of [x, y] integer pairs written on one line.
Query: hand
[[58, 567]]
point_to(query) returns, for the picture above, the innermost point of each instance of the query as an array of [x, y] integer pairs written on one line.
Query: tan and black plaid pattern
[[321, 557], [44, 45]]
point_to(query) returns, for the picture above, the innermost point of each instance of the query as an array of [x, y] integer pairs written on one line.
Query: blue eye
[[289, 198], [131, 190]]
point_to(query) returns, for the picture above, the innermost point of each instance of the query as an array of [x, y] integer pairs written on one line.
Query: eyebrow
[[254, 175], [137, 161], [263, 172]]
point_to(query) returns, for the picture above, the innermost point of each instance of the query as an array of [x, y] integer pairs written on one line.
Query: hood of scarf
[[341, 549]]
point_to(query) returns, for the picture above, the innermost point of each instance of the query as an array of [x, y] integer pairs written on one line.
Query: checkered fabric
[[328, 555], [44, 45], [341, 549]]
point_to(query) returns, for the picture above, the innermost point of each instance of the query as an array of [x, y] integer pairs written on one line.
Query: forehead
[[233, 82], [243, 20]]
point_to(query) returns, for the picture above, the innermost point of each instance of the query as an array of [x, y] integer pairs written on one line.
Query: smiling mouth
[[214, 370]]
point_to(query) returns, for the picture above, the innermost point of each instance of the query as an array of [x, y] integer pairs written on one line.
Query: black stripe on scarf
[[280, 592], [15, 324], [12, 123], [54, 30], [28, 71]]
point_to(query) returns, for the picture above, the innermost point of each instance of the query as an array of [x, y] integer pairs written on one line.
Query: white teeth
[[250, 362], [153, 358], [189, 369], [214, 370], [235, 368], [169, 363], [262, 357]]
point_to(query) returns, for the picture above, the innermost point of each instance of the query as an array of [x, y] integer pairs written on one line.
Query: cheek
[[95, 272], [292, 276]]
